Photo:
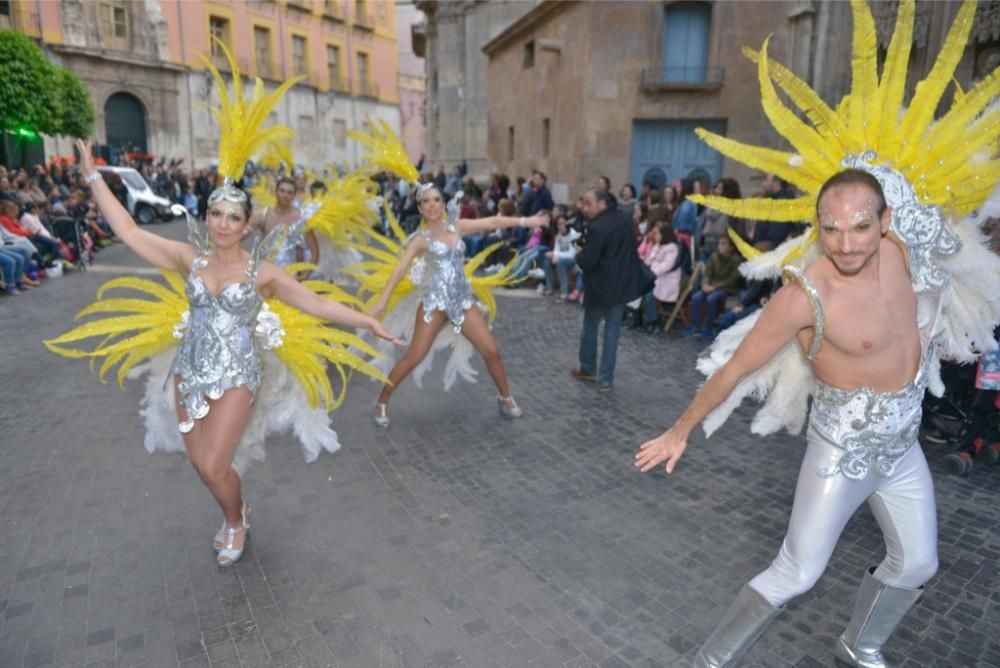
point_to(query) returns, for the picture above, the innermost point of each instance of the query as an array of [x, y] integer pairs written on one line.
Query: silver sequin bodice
[[217, 349], [447, 289], [873, 428]]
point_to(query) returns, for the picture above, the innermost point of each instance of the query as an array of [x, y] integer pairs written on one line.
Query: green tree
[[28, 84], [76, 113]]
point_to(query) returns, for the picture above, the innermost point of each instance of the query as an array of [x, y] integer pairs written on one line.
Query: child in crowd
[[722, 278], [561, 258], [662, 260]]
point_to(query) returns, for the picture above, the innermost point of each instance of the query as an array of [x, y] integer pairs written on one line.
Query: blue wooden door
[[666, 150], [687, 27]]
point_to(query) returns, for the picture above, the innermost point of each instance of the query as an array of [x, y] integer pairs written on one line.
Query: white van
[[140, 200]]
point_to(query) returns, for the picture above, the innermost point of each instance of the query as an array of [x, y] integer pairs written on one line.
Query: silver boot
[[739, 628], [878, 610]]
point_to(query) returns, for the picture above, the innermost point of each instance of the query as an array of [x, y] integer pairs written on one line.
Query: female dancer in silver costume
[[448, 297], [862, 442], [217, 369]]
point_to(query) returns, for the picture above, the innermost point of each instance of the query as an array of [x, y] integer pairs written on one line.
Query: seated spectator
[[561, 258], [722, 278], [12, 275], [627, 201], [663, 262], [539, 242], [712, 224], [640, 220], [37, 233], [685, 217], [27, 261]]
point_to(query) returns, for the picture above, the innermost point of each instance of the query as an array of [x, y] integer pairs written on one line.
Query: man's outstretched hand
[[668, 447]]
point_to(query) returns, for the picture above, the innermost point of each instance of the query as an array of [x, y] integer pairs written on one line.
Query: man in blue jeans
[[613, 275]]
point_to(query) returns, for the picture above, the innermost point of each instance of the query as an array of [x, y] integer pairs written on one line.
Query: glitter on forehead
[[867, 214]]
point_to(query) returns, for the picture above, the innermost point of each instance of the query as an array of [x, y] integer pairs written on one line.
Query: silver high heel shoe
[[220, 536], [229, 554], [508, 407], [381, 416]]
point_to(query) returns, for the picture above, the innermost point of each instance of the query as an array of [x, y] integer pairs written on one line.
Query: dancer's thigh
[[425, 332], [477, 331], [223, 428], [821, 509]]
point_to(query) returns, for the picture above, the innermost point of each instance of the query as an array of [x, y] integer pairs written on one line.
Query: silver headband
[[422, 189], [228, 192]]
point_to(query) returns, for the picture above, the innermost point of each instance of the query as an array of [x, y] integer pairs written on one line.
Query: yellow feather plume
[[134, 329], [143, 328], [372, 275], [951, 162], [761, 208], [746, 250], [310, 344], [346, 212], [241, 121], [928, 93], [765, 159], [385, 151]]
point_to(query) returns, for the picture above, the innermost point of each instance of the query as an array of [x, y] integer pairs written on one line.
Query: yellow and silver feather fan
[[136, 328], [383, 253]]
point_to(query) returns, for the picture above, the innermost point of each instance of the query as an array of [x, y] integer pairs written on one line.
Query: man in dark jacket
[[613, 275]]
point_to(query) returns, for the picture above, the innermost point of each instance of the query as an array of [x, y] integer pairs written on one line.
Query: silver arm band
[[90, 178]]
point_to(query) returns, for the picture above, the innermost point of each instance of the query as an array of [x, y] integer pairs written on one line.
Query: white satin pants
[[903, 506]]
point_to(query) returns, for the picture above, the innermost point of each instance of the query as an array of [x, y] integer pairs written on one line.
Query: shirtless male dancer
[[285, 212], [854, 312]]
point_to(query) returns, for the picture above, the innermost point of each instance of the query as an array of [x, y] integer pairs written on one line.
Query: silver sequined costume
[[446, 288], [862, 445], [218, 349]]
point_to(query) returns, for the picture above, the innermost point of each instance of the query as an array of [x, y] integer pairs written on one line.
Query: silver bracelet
[[90, 178], [520, 223]]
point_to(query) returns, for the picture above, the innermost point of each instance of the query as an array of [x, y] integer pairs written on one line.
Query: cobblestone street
[[456, 538]]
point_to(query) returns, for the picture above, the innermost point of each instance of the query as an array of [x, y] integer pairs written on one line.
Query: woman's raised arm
[[154, 249]]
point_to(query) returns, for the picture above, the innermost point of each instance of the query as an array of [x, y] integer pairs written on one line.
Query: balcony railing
[[337, 83], [334, 9], [267, 70], [693, 78], [367, 89], [301, 5]]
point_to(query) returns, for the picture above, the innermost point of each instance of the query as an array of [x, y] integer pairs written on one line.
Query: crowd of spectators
[[684, 244], [48, 225]]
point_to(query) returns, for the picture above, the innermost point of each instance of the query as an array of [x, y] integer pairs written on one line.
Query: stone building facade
[[412, 83], [581, 89], [141, 62], [457, 87]]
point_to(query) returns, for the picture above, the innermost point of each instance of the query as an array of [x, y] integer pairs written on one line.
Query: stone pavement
[[454, 539]]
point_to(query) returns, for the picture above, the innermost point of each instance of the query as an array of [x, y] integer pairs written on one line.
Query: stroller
[[71, 231]]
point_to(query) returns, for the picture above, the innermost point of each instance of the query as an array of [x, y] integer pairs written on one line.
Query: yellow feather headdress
[[241, 121], [385, 151], [949, 162]]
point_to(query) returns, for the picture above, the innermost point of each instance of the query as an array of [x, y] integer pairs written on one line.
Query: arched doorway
[[125, 123]]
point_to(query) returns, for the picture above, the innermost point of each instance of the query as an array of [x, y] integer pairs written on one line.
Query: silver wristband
[[90, 178], [520, 222]]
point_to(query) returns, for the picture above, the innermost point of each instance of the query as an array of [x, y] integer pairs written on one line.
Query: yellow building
[[142, 63]]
